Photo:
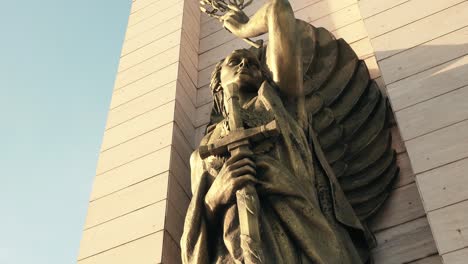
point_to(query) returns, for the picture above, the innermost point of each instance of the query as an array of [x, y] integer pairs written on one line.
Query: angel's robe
[[304, 215]]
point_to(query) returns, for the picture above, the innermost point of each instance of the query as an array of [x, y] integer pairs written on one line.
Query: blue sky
[[58, 61]]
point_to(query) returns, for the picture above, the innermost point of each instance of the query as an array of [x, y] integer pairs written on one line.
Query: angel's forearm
[[269, 18]]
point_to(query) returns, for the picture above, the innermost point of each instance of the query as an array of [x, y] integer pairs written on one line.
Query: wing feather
[[331, 136], [324, 63], [370, 154], [350, 118], [369, 131], [365, 193], [343, 107], [370, 174], [345, 68], [361, 111]]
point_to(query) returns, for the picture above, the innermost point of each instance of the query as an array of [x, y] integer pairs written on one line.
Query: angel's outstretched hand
[[234, 20]]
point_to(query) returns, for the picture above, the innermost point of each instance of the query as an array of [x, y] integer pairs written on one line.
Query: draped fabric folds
[[305, 217]]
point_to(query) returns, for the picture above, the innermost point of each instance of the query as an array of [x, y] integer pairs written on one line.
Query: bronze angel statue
[[297, 155]]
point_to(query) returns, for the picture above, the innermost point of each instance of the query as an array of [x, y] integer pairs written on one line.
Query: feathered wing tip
[[349, 115]]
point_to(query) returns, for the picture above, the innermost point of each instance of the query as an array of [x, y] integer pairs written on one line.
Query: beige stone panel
[[373, 67], [190, 44], [428, 84], [214, 40], [191, 69], [439, 147], [214, 55], [403, 205], [445, 185], [363, 48], [127, 200], [406, 175], [352, 32], [204, 95], [204, 76], [152, 35], [180, 169], [189, 47], [123, 230], [300, 4], [203, 114], [131, 173], [321, 9], [381, 84], [181, 144], [147, 67], [397, 143], [174, 221], [404, 243], [450, 227], [199, 134], [194, 8], [421, 31], [146, 250], [139, 4], [135, 148], [147, 52], [154, 21], [171, 254], [339, 18], [457, 257], [145, 85], [191, 26], [187, 84], [138, 126], [150, 10], [372, 7], [429, 260], [209, 27], [421, 58], [433, 114], [141, 105], [406, 13], [186, 103], [177, 195], [185, 124]]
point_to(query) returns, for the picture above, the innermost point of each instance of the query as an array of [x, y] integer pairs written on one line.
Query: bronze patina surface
[[297, 155]]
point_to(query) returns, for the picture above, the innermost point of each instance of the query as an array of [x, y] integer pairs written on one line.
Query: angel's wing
[[349, 115]]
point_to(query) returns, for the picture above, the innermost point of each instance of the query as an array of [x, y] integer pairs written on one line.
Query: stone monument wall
[[161, 104], [142, 184], [422, 48]]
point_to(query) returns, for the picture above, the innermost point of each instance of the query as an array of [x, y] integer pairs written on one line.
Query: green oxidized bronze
[[297, 155]]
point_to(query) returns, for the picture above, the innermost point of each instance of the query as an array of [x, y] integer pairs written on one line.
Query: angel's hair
[[217, 89]]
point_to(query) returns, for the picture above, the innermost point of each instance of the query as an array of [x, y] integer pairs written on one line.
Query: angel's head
[[241, 67]]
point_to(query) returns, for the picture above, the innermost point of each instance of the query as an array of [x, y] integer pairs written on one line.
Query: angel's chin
[[248, 82]]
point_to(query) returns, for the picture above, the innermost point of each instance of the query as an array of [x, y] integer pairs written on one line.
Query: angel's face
[[242, 68]]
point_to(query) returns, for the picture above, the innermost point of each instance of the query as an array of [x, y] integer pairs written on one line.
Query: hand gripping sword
[[237, 142]]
